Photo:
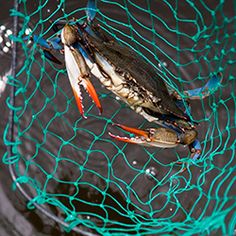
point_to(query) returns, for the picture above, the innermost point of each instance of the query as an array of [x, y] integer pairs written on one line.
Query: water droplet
[[8, 44], [162, 64], [9, 32], [2, 27], [48, 10], [171, 209], [28, 31], [5, 49], [134, 163], [117, 98], [151, 172], [88, 217], [5, 42], [2, 86], [174, 182]]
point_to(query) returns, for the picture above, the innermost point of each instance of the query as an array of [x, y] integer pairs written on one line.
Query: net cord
[[12, 130]]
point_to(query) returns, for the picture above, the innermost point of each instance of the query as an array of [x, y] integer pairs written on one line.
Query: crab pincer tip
[[114, 136], [100, 110], [119, 138], [82, 113], [93, 94], [85, 117], [116, 124]]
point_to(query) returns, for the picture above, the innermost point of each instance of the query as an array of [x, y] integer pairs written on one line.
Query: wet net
[[96, 185]]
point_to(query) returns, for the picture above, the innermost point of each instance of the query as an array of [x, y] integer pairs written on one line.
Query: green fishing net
[[71, 168]]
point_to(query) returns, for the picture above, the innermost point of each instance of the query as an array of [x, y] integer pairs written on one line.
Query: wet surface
[[145, 171]]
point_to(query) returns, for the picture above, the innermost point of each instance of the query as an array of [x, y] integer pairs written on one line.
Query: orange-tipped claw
[[123, 139], [183, 170], [140, 135], [151, 137], [92, 92], [135, 131]]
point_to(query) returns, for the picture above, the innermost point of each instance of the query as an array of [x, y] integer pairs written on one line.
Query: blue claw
[[207, 89], [214, 82], [85, 55], [91, 10], [55, 43], [41, 41], [51, 57], [195, 149], [47, 45]]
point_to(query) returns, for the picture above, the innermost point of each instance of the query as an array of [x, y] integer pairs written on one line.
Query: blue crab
[[88, 50]]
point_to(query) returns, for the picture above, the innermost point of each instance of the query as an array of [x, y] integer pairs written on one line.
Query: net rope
[[78, 172]]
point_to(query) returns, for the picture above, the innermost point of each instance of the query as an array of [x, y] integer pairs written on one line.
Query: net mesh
[[71, 165]]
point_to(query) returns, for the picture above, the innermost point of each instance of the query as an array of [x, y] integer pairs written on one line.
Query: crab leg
[[202, 92], [195, 149], [207, 89], [47, 46], [91, 10]]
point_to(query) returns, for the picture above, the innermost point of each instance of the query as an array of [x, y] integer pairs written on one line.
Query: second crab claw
[[152, 137], [161, 137]]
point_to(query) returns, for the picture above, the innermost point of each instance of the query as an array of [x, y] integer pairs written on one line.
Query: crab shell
[[126, 74]]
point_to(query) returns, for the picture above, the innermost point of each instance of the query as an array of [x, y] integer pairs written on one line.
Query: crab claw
[[92, 92], [47, 46], [195, 149], [77, 68], [152, 137], [207, 89], [51, 57], [88, 86]]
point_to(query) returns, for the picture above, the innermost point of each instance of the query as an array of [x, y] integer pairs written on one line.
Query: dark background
[[16, 219]]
